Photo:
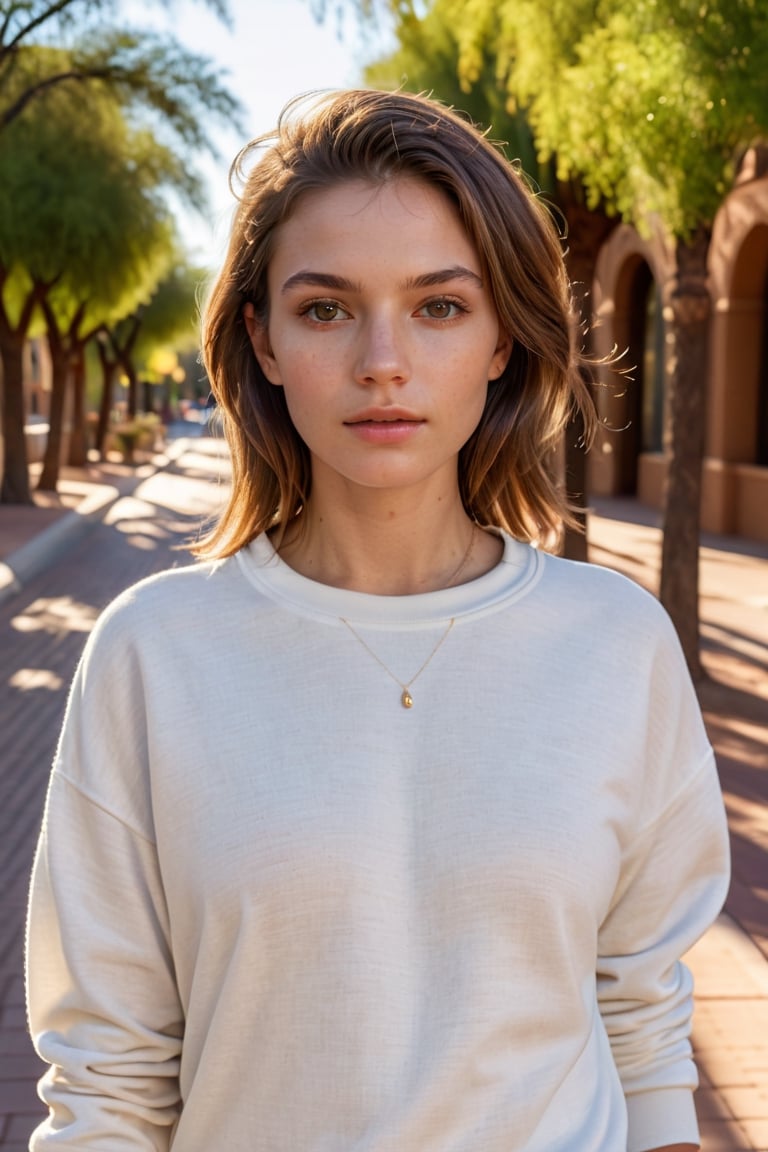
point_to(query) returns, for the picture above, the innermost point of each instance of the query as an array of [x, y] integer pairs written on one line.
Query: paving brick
[[757, 1132], [20, 1127], [748, 1103], [710, 1105], [18, 1096], [724, 1136], [15, 1042]]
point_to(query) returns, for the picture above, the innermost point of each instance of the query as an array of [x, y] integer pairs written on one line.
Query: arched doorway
[[639, 327], [762, 390], [743, 381]]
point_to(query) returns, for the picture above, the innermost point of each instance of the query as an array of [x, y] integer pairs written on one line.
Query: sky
[[275, 51]]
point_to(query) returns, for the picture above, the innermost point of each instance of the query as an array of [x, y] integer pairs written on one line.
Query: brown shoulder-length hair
[[506, 473]]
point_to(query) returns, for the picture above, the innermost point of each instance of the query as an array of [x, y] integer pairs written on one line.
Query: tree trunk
[[587, 232], [14, 487], [49, 477], [109, 370], [687, 310], [133, 387], [575, 538], [78, 441]]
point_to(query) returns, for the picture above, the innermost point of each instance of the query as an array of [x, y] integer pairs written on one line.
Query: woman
[[400, 850]]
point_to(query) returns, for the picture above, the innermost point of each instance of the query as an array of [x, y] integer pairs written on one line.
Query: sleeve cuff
[[665, 1116]]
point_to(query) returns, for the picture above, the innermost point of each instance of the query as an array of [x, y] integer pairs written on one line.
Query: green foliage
[[150, 73], [82, 212], [650, 103], [427, 60], [680, 99], [170, 319]]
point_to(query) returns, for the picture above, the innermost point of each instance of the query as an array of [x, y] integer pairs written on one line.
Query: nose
[[382, 353]]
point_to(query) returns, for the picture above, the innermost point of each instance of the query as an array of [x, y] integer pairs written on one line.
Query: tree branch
[[34, 90]]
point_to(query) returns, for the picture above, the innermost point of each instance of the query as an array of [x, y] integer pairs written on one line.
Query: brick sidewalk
[[43, 628]]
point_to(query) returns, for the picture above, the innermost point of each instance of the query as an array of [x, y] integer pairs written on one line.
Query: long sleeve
[[673, 883], [103, 1006]]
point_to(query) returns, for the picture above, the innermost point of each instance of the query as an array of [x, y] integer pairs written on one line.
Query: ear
[[258, 335], [501, 356]]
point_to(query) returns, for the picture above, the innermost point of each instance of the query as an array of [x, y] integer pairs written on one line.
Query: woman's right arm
[[103, 1003]]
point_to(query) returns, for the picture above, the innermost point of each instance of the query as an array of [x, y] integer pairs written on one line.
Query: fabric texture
[[273, 909]]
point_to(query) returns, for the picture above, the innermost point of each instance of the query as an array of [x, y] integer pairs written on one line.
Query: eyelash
[[311, 305]]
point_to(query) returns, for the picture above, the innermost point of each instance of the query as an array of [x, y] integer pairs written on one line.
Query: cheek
[[305, 397]]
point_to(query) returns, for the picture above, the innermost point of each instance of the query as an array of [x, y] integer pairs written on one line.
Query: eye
[[324, 311], [442, 308]]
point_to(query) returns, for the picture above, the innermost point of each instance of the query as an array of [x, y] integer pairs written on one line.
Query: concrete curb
[[32, 558]]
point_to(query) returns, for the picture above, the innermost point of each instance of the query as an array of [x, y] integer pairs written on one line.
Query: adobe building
[[628, 456]]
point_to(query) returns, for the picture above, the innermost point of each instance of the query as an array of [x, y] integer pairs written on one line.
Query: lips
[[385, 426], [384, 416]]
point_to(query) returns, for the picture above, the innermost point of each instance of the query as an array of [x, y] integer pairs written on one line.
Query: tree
[[91, 247], [143, 69], [183, 96], [651, 102], [108, 274], [167, 320], [18, 302]]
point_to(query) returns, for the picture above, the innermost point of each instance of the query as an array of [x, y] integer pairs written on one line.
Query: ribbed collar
[[517, 571]]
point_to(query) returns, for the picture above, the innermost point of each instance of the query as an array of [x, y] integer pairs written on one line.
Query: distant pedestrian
[[381, 829]]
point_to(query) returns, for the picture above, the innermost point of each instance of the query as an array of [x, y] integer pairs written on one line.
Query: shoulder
[[592, 591], [149, 614], [602, 617], [174, 591]]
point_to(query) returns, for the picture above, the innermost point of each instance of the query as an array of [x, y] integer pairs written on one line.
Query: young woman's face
[[382, 333]]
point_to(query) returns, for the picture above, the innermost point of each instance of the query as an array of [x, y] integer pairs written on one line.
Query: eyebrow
[[307, 278], [443, 276]]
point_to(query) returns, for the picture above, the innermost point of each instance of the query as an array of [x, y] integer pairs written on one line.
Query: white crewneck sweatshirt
[[274, 911]]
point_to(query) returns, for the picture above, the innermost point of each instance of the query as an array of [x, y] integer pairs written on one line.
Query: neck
[[389, 547]]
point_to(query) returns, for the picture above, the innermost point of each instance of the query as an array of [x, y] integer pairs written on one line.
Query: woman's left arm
[[672, 885]]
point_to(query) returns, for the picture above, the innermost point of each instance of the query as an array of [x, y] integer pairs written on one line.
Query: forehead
[[402, 217]]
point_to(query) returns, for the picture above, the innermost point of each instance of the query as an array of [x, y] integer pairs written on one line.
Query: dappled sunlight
[[146, 525], [179, 494], [746, 817], [140, 522], [738, 742], [745, 646], [143, 543], [129, 510], [145, 534], [32, 679], [213, 464], [56, 615], [738, 672]]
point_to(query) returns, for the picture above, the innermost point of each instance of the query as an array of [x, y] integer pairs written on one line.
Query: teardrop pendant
[[406, 699]]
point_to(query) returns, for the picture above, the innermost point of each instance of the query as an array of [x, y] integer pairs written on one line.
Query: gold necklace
[[462, 563], [406, 699]]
